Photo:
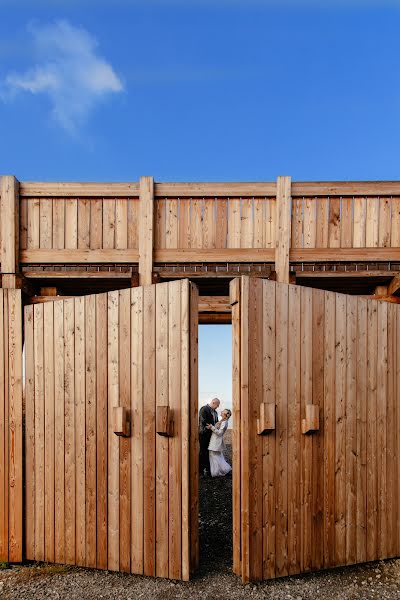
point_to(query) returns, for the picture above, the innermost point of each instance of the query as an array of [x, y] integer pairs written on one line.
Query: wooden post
[[9, 230], [283, 228], [146, 237]]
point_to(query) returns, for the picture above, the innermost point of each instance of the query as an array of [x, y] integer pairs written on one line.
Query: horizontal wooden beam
[[78, 256], [344, 254], [35, 189], [343, 274], [224, 255], [214, 304], [78, 275], [207, 190], [345, 188], [215, 319], [392, 299]]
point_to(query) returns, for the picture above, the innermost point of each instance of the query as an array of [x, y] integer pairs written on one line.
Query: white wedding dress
[[216, 447]]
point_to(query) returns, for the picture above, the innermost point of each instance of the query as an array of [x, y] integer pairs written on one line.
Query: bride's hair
[[226, 410]]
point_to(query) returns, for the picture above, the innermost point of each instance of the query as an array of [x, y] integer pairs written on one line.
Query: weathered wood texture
[[94, 498], [328, 497], [11, 475]]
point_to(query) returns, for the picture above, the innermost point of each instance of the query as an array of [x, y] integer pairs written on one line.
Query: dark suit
[[207, 416]]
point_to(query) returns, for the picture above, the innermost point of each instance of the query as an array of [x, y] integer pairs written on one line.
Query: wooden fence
[[318, 374], [11, 475], [92, 498]]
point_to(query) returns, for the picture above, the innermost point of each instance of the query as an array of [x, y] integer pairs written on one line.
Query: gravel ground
[[214, 579]]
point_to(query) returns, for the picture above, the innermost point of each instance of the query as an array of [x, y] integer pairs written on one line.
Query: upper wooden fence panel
[[92, 498], [328, 497]]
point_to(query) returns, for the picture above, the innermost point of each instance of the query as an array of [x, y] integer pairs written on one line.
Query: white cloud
[[69, 71]]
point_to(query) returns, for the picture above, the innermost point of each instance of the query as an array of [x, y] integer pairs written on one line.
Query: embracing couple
[[212, 446]]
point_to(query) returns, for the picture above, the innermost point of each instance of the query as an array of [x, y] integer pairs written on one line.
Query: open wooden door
[[317, 417], [94, 498]]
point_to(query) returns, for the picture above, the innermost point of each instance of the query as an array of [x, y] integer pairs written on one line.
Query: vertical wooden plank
[[255, 355], [334, 222], [171, 234], [395, 222], [96, 224], [102, 429], [185, 425], [221, 218], [9, 225], [246, 223], [234, 223], [108, 223], [175, 451], [84, 205], [381, 438], [269, 441], [46, 222], [235, 287], [307, 442], [244, 428], [29, 447], [322, 238], [39, 434], [372, 223], [258, 222], [385, 210], [6, 516], [283, 234], [58, 223], [310, 222], [317, 484], [59, 444], [113, 441], [391, 433], [80, 431], [146, 216], [121, 223], [160, 223], [281, 468], [359, 222], [340, 431], [33, 223], [361, 414], [269, 229], [4, 454], [346, 237], [161, 322], [329, 429], [194, 434], [372, 462], [196, 223], [351, 431], [209, 223], [297, 223], [69, 399], [91, 427], [48, 338], [15, 457], [125, 443], [184, 223], [133, 222], [23, 225], [137, 429], [294, 431], [71, 223]]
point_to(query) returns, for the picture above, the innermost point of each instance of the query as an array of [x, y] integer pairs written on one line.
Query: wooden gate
[[317, 452], [93, 498]]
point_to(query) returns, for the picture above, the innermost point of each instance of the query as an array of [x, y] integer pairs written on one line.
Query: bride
[[216, 447]]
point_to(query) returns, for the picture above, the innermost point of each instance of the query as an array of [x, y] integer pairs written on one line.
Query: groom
[[207, 416]]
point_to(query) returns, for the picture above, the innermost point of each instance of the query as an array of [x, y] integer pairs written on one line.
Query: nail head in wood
[[266, 422], [311, 422], [122, 421], [164, 421]]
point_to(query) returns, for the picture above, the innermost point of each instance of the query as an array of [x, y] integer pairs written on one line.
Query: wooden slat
[[137, 430], [9, 225], [80, 421], [146, 216], [161, 499], [283, 222], [29, 446], [351, 431], [244, 428], [204, 190], [372, 462], [121, 223], [185, 426], [334, 225], [71, 224], [340, 430], [58, 223], [39, 434], [4, 457], [78, 189], [113, 441], [59, 439], [149, 429], [359, 222], [361, 416], [79, 256], [102, 430], [381, 433], [69, 399], [346, 188], [194, 436], [49, 389], [91, 430]]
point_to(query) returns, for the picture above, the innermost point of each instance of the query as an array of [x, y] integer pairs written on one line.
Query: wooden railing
[[147, 223]]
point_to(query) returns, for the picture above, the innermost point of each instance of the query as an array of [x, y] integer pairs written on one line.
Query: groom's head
[[215, 403]]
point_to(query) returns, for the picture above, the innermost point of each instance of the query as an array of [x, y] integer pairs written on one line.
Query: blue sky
[[200, 90]]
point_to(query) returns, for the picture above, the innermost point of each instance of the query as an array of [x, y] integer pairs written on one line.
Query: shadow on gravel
[[215, 523]]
